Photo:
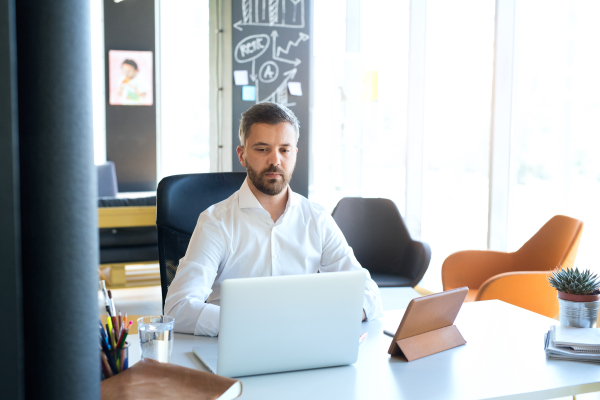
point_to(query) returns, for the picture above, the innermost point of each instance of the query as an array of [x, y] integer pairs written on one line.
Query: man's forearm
[[195, 317]]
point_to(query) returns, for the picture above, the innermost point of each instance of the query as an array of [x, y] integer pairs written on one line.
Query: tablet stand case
[[427, 326]]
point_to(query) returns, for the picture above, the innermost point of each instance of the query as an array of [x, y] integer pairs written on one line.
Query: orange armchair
[[518, 278]]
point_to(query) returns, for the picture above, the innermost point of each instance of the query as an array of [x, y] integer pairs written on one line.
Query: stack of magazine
[[575, 344]]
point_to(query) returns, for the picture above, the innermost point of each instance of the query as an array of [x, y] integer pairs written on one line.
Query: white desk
[[394, 298], [503, 358]]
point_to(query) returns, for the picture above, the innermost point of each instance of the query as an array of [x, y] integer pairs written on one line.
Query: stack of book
[[575, 344]]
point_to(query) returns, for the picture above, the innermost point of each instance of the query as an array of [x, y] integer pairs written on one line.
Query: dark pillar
[[11, 366], [131, 130], [58, 194]]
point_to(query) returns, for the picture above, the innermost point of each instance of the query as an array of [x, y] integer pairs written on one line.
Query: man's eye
[[260, 150]]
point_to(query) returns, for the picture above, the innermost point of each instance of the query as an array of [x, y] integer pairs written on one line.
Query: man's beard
[[270, 187]]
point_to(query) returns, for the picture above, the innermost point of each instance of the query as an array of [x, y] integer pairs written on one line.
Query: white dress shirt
[[237, 238]]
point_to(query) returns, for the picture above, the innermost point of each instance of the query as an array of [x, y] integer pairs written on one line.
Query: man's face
[[129, 71], [269, 156]]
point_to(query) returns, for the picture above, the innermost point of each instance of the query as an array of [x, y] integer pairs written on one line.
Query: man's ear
[[240, 152]]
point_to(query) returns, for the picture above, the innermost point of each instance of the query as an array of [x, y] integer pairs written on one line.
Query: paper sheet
[[240, 77], [249, 93], [295, 88]]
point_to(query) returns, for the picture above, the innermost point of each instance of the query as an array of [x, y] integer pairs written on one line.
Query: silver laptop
[[286, 323]]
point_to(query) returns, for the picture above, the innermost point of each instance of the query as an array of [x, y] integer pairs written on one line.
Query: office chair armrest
[[526, 289], [416, 261], [472, 268]]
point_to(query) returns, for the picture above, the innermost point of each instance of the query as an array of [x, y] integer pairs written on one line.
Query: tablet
[[429, 313]]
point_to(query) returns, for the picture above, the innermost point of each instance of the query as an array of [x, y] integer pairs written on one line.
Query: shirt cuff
[[208, 321]]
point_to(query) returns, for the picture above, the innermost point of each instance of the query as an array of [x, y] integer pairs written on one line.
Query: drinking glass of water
[[156, 337]]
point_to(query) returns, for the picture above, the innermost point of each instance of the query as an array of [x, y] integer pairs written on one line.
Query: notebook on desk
[[579, 339], [286, 323]]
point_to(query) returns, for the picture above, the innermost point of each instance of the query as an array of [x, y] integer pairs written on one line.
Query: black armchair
[[376, 232], [180, 199]]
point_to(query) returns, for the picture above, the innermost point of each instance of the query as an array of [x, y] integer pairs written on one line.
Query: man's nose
[[274, 158]]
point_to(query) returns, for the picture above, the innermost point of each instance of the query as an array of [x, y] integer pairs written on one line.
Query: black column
[[58, 194], [131, 130], [11, 356]]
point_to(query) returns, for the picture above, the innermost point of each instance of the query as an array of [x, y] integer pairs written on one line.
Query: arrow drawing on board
[[295, 62], [253, 75], [303, 38], [256, 84], [280, 95]]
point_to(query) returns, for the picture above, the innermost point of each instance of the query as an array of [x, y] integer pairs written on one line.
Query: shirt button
[[274, 255]]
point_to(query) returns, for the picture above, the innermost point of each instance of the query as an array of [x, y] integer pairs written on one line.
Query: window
[[555, 164], [360, 94], [456, 148], [360, 143], [184, 76]]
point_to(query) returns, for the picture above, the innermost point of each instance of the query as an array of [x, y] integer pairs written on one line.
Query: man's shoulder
[[220, 210], [305, 204]]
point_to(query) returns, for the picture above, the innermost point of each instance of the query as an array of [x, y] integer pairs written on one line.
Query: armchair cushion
[[473, 267]]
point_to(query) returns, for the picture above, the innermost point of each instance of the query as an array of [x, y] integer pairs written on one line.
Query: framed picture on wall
[[130, 78]]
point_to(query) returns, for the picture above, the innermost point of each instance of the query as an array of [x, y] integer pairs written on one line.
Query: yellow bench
[[126, 217]]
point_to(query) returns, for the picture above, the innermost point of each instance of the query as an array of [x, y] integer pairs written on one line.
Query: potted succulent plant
[[578, 296]]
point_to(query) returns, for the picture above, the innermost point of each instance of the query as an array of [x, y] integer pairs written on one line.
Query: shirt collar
[[248, 200]]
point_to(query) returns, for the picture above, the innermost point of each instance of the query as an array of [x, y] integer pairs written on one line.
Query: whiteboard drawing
[[251, 47], [268, 72], [264, 57], [247, 11], [272, 13], [280, 95], [295, 62], [295, 3], [302, 37]]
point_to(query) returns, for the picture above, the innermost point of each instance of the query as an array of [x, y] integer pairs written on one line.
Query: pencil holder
[[114, 361]]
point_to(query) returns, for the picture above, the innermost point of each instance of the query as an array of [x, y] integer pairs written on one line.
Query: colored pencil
[[105, 367]]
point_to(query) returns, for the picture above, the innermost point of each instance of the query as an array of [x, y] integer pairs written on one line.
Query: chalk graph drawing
[[268, 72], [275, 13], [280, 95], [249, 49]]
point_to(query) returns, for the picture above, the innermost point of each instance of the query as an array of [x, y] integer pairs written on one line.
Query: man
[[264, 229]]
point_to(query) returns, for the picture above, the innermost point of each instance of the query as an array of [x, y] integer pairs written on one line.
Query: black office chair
[[376, 232], [180, 199]]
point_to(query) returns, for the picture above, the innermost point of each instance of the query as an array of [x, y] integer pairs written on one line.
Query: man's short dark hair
[[132, 63], [266, 113]]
